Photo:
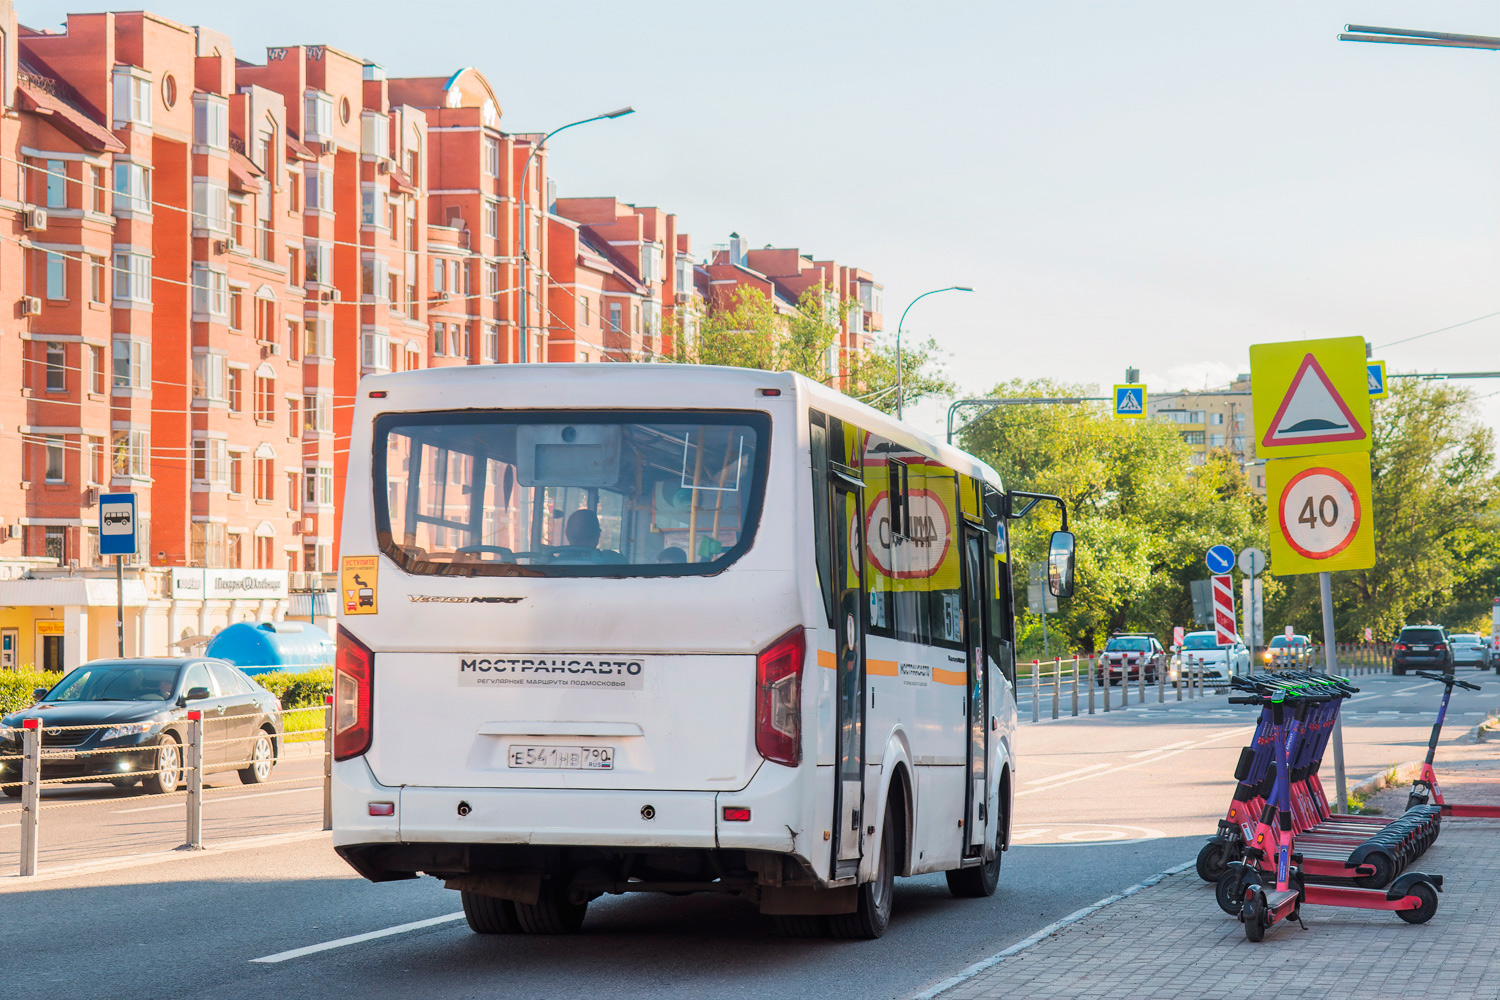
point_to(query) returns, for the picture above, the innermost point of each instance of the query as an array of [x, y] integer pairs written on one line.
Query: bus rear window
[[568, 493]]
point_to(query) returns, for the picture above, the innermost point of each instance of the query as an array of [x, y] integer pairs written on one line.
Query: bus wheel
[[799, 925], [488, 915], [552, 913], [980, 881], [875, 896]]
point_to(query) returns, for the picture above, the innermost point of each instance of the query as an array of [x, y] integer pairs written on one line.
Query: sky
[[1157, 184]]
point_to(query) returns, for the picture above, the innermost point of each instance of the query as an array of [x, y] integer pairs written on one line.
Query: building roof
[[45, 96]]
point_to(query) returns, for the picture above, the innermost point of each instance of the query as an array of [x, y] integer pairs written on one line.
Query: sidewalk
[[1170, 941]]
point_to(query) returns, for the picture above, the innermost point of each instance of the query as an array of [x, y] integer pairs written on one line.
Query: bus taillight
[[778, 700], [353, 672]]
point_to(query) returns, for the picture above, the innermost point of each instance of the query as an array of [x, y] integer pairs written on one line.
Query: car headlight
[[129, 729]]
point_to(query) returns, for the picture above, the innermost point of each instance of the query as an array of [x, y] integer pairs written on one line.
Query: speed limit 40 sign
[[1320, 514]]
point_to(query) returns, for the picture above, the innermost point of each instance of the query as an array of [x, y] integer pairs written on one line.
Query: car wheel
[[262, 759], [123, 782], [168, 770], [873, 916]]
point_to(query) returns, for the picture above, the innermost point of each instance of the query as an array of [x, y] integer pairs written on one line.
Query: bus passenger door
[[976, 791], [849, 640]]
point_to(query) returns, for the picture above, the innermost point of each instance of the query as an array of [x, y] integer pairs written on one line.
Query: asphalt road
[[1103, 803]]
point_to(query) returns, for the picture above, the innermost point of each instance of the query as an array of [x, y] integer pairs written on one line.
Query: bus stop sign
[[117, 524]]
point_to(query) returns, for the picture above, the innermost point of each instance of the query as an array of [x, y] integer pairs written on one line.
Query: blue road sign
[[1375, 372], [1219, 559], [1130, 400], [117, 524]]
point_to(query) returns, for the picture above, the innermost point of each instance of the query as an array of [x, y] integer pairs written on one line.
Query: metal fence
[[1082, 685], [180, 761]]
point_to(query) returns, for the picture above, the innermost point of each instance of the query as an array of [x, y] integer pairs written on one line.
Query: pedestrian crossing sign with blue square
[[1130, 400], [1375, 377]]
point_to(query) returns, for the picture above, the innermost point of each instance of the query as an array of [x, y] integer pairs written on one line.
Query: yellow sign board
[[1321, 514], [49, 628], [1311, 397], [358, 584]]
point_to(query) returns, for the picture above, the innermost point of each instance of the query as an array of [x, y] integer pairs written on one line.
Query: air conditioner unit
[[382, 166], [36, 220], [12, 531], [91, 497], [330, 295], [329, 147], [268, 347], [297, 528], [221, 246], [307, 525], [31, 305], [440, 296]]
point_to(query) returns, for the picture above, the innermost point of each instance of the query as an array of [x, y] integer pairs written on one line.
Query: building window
[[97, 187], [207, 543], [211, 122], [132, 453], [372, 277], [54, 543], [319, 262], [236, 390], [97, 281], [93, 459], [265, 397], [491, 156], [376, 350], [132, 187], [132, 99], [265, 320], [210, 373], [57, 275], [57, 184], [615, 316], [439, 338], [491, 218], [210, 206], [374, 135], [317, 411], [293, 490], [236, 472], [1193, 437], [319, 480], [459, 345], [1216, 419], [133, 277], [317, 123], [210, 292], [293, 337], [293, 416], [54, 452], [1216, 440], [265, 476], [492, 279], [491, 343], [319, 189], [211, 460], [372, 205], [237, 309], [96, 370], [318, 336], [57, 368], [237, 223], [1239, 443], [132, 364]]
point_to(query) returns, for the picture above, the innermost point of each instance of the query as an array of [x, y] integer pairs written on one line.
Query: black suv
[[1421, 646]]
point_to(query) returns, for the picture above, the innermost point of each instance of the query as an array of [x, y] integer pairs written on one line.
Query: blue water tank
[[262, 647]]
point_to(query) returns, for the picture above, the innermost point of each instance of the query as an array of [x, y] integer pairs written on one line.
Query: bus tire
[[488, 915], [979, 882], [552, 913], [800, 925], [876, 896]]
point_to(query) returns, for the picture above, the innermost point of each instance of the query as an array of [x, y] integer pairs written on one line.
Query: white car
[[1200, 651]]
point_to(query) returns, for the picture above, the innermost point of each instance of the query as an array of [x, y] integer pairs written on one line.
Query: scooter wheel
[[1385, 870], [1229, 890], [1255, 916], [1213, 860], [1423, 913]]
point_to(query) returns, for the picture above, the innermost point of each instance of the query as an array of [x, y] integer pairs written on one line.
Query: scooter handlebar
[[1246, 701], [1447, 679]]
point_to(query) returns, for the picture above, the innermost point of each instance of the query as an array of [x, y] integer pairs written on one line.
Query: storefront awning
[[69, 591]]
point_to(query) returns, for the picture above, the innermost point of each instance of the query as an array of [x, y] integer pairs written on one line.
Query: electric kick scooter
[[1428, 781]]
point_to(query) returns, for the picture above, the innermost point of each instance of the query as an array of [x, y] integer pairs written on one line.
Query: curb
[[1481, 732], [1405, 774]]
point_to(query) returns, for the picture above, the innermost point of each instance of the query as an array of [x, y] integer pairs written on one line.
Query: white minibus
[[670, 628]]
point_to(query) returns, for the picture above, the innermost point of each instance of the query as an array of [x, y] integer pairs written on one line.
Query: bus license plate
[[563, 758]]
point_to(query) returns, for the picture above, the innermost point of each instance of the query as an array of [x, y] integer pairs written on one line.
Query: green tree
[[1143, 514], [1436, 513], [872, 373]]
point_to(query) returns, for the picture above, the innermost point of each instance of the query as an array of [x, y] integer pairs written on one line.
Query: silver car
[[1470, 650]]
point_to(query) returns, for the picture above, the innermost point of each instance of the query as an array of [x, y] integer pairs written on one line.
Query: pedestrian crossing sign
[[1130, 400], [1379, 389]]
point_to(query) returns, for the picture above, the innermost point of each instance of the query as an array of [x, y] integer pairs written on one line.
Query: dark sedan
[[141, 706], [1422, 647]]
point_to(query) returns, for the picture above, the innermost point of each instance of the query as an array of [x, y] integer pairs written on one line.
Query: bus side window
[[818, 446]]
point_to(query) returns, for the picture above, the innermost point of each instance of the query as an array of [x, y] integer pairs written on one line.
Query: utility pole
[[1411, 36]]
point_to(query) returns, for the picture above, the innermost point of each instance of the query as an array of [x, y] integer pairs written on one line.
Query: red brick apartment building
[[203, 251]]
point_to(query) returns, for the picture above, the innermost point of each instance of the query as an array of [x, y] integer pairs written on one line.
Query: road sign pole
[[1249, 602], [1325, 588], [120, 605]]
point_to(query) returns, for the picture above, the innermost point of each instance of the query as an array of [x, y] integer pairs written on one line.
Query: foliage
[[16, 687], [1142, 513], [307, 689], [751, 332], [1437, 510]]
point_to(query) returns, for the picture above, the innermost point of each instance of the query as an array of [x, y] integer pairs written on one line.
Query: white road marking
[[1025, 835], [1200, 744], [1066, 774], [1169, 746], [313, 949], [221, 798]]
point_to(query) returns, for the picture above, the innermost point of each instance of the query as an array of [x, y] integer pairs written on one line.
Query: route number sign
[[1320, 514]]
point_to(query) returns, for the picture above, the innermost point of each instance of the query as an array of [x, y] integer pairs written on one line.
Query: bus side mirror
[[1060, 564]]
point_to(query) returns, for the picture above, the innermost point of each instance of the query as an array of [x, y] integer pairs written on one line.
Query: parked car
[[1216, 662], [1288, 651], [144, 704], [1420, 647], [1126, 654], [1470, 650]]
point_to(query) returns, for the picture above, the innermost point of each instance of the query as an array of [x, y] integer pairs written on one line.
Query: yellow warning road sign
[[1311, 397], [1320, 514]]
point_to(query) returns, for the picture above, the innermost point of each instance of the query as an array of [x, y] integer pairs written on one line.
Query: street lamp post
[[900, 382], [522, 221]]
